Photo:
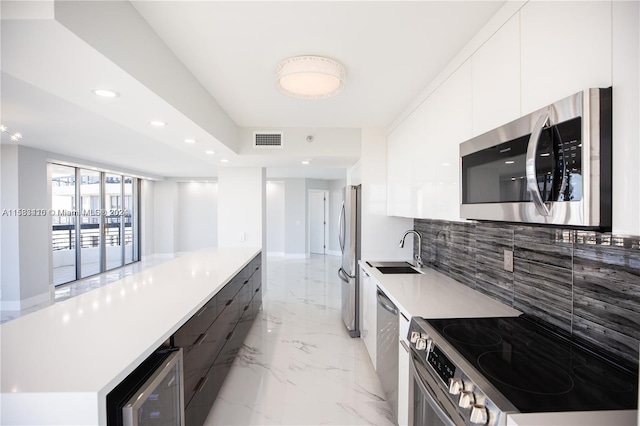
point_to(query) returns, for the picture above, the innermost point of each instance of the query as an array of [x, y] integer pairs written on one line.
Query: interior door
[[317, 222]]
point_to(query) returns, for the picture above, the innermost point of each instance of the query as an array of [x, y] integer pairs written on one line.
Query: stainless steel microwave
[[551, 167]]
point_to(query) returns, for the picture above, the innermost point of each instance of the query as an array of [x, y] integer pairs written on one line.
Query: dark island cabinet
[[213, 337]]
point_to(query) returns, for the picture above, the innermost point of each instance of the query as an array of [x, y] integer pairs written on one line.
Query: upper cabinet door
[[566, 48], [452, 126], [496, 79], [399, 152]]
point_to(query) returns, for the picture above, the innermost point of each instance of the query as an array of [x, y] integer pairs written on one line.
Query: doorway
[[318, 221]]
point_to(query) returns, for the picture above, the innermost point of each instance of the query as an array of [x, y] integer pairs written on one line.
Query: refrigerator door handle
[[344, 275], [341, 227]]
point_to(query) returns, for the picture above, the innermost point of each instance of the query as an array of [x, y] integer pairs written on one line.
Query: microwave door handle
[[532, 178]]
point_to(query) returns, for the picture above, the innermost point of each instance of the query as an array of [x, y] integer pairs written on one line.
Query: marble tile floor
[[298, 365], [75, 288]]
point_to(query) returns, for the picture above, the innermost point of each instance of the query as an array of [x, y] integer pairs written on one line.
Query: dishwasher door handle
[[387, 304]]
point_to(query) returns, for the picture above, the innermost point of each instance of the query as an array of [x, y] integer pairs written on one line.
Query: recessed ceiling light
[[210, 152], [105, 93], [224, 160], [157, 123], [306, 162], [446, 164], [190, 141], [509, 162]]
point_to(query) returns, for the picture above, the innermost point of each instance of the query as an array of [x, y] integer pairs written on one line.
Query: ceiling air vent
[[267, 139]]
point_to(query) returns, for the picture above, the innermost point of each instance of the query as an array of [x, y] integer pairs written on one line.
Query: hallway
[[298, 365]]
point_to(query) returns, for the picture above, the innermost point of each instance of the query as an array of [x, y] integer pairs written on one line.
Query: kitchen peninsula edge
[[59, 363]]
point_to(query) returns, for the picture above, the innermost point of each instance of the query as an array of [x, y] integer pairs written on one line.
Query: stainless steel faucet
[[418, 256]]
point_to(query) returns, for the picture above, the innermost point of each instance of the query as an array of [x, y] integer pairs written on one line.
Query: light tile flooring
[[298, 365]]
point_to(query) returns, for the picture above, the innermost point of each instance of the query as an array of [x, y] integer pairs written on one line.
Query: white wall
[[275, 218], [327, 142], [25, 257], [241, 207], [197, 215], [165, 217], [146, 218], [295, 217], [380, 233]]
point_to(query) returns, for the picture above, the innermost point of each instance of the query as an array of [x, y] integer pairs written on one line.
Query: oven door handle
[[442, 414], [530, 167]]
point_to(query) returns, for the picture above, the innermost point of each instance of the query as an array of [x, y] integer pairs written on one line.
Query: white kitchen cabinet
[[496, 79], [423, 169], [368, 325], [453, 125], [399, 153], [565, 48]]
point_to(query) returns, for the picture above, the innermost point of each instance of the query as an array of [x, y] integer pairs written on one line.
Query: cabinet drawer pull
[[201, 383], [200, 339], [229, 302], [257, 267], [229, 335], [246, 282], [246, 307], [406, 319], [257, 289], [201, 311]]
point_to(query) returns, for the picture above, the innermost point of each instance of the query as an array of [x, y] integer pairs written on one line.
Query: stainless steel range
[[479, 371]]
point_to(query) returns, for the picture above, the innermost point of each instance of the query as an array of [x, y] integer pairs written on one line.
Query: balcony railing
[[64, 236]]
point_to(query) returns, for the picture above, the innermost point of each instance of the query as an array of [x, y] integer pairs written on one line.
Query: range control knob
[[429, 345], [455, 385], [479, 414], [467, 399], [421, 344], [414, 336]]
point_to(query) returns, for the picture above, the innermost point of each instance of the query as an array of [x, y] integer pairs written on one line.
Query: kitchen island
[[59, 363]]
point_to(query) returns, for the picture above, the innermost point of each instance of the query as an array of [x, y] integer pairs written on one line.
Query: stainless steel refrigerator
[[349, 239]]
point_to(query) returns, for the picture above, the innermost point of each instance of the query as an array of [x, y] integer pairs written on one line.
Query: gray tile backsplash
[[583, 282]]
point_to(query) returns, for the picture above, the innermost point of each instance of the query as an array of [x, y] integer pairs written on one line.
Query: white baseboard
[[18, 305], [334, 252]]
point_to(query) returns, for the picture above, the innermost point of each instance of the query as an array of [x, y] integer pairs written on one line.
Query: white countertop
[[58, 363], [434, 295]]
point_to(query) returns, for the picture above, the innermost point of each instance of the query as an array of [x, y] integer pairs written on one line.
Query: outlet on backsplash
[[508, 260]]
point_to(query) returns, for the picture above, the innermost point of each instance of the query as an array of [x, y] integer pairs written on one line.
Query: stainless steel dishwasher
[[387, 348]]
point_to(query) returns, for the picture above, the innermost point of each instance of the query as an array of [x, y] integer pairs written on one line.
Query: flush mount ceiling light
[[310, 77], [105, 93]]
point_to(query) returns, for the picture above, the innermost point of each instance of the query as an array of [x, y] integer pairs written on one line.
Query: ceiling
[[391, 51]]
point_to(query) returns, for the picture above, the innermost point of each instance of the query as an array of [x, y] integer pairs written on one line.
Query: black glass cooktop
[[537, 369]]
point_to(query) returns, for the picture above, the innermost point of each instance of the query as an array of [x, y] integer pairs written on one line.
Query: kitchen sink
[[394, 267]]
